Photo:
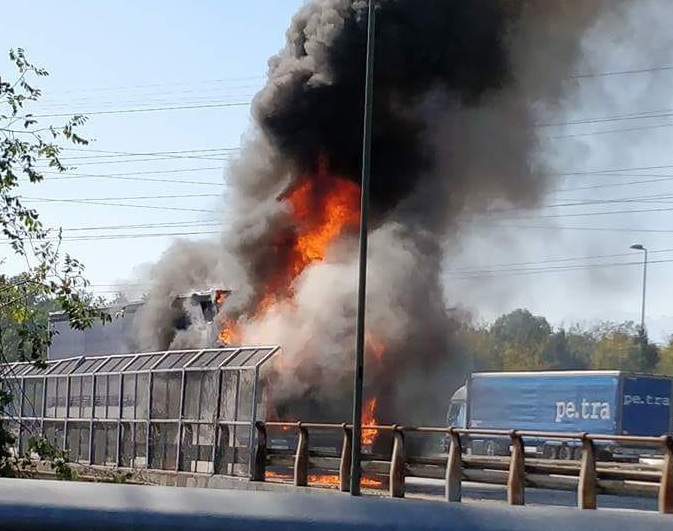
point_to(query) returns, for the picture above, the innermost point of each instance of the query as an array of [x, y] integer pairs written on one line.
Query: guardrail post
[[666, 485], [516, 481], [397, 464], [301, 458], [454, 469], [346, 459], [586, 488], [259, 457]]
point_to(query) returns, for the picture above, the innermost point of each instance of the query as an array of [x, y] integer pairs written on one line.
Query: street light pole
[[639, 247], [358, 391]]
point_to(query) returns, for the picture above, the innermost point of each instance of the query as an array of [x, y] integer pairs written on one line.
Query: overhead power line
[[556, 228], [163, 85], [225, 81], [657, 199], [665, 113], [121, 198], [611, 131], [151, 172], [191, 96], [131, 236], [481, 274], [147, 153], [134, 176], [615, 185], [624, 72], [118, 157], [125, 205], [583, 214], [191, 223], [119, 160], [554, 261], [143, 235], [553, 269], [609, 171], [149, 109]]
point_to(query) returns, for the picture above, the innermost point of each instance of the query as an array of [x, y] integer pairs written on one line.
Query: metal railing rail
[[516, 472]]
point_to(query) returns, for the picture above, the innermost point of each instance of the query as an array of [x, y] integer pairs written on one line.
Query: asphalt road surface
[[431, 489]]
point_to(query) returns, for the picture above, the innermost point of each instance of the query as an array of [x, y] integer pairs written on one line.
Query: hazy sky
[[167, 86]]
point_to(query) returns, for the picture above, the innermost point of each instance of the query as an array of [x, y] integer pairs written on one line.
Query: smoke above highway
[[460, 87]]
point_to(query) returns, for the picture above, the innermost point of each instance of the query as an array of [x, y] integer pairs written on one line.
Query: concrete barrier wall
[[40, 504]]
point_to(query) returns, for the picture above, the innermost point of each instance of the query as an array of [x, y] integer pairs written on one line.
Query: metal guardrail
[[516, 471]]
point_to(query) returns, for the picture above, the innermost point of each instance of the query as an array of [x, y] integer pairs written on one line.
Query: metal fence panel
[[182, 410]]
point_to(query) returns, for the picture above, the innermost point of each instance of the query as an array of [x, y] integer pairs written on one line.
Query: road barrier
[[589, 477], [52, 505]]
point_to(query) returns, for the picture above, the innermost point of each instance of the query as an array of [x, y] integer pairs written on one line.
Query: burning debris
[[458, 86], [325, 480]]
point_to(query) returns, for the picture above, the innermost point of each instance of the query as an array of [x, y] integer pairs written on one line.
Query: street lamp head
[[638, 247]]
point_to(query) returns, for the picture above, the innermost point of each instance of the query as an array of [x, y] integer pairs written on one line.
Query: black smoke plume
[[312, 107], [459, 86]]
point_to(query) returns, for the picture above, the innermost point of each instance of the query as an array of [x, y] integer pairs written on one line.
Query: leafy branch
[[51, 279]]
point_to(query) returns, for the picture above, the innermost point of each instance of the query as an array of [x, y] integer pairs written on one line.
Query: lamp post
[[639, 247], [358, 391]]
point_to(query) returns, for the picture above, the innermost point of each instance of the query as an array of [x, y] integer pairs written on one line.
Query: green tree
[[24, 333], [522, 340], [49, 277], [477, 342], [665, 362], [580, 344], [622, 347], [562, 353]]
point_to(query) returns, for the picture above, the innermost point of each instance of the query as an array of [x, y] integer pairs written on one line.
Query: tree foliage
[[520, 340], [665, 362], [49, 279]]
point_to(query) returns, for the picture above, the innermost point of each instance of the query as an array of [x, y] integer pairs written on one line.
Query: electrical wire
[[126, 205], [143, 110], [119, 198]]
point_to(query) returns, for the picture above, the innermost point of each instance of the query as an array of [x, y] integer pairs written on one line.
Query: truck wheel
[[490, 449], [566, 453], [604, 455], [577, 453], [555, 452], [549, 451]]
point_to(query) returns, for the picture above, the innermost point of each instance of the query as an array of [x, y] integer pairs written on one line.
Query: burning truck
[[194, 311]]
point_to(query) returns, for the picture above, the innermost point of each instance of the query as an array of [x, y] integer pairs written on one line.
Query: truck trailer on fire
[[596, 402]]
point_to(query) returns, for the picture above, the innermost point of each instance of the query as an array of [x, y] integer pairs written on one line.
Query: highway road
[[432, 489]]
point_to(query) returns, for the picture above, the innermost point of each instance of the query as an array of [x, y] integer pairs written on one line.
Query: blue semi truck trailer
[[597, 402]]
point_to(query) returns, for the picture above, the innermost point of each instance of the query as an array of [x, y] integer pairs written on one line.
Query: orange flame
[[368, 419], [326, 480], [323, 220], [374, 346], [220, 297], [229, 335], [323, 207]]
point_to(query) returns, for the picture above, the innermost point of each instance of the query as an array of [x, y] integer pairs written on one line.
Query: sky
[[167, 86], [194, 66]]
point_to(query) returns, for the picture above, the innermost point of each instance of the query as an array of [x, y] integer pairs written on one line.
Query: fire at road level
[[325, 480]]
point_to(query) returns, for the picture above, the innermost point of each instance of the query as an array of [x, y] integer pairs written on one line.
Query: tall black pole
[[643, 336], [358, 391], [642, 308]]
